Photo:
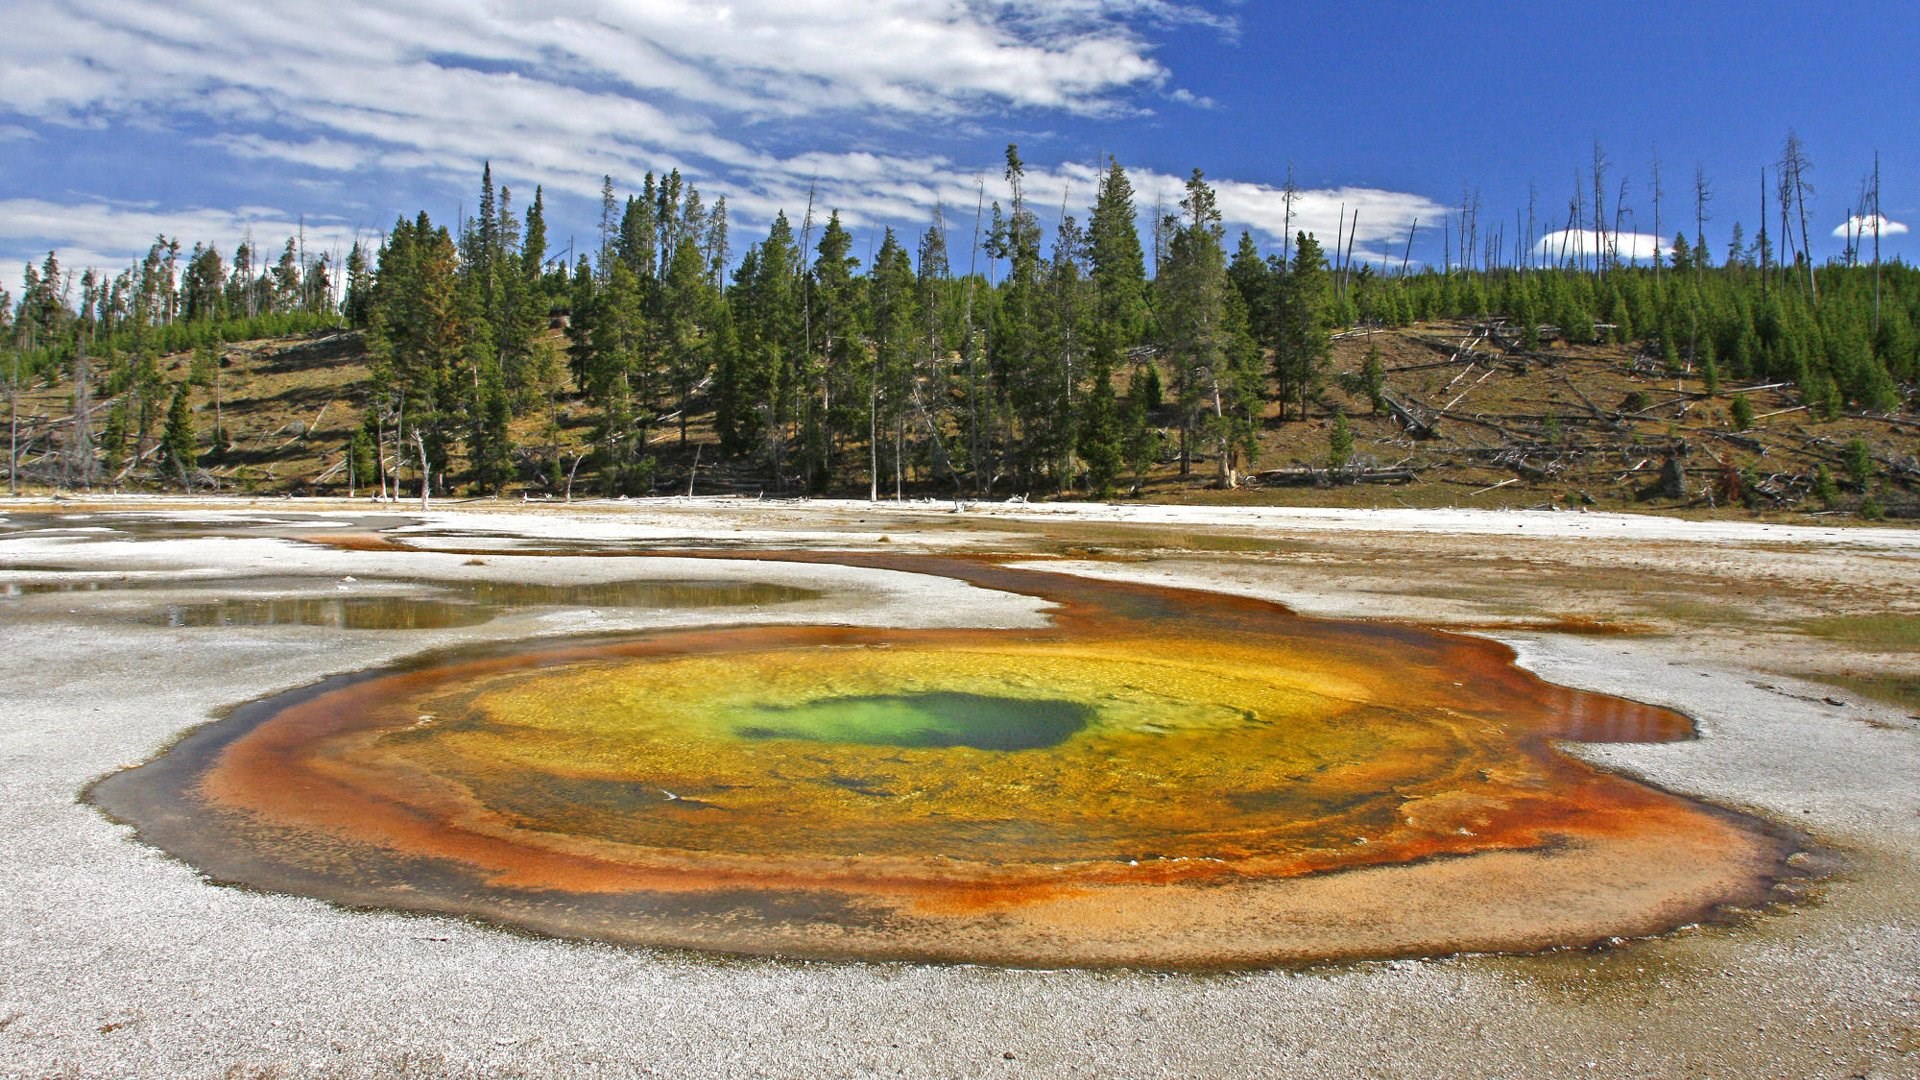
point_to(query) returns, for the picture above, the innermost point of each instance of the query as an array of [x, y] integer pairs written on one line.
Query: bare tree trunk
[[80, 464], [1599, 208], [1347, 271], [1796, 164], [426, 474], [577, 459], [1876, 243], [13, 423], [1658, 236], [1227, 479], [1702, 195], [1287, 196], [1764, 246], [1339, 237]]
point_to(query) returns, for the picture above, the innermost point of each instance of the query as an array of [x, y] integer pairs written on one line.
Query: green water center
[[934, 719]]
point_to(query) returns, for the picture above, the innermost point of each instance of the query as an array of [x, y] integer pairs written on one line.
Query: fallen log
[[1308, 475], [1421, 427]]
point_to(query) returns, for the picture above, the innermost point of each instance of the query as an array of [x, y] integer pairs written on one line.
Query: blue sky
[[202, 119]]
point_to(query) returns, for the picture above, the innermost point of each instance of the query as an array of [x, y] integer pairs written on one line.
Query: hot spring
[[1161, 778]]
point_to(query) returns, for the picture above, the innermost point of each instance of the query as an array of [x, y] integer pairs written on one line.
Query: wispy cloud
[[1858, 225], [96, 234], [430, 88]]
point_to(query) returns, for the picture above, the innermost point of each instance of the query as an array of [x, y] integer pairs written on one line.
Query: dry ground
[[1566, 425]]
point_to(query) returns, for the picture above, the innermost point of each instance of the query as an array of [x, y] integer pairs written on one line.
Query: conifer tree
[[1301, 345], [1118, 264], [1017, 361], [360, 460], [177, 441], [839, 365], [685, 315], [1339, 443], [1102, 437], [894, 303]]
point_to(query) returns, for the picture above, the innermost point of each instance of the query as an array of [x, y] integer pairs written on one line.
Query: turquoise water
[[940, 719]]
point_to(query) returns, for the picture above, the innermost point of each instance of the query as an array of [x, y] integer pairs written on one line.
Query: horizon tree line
[[1060, 366]]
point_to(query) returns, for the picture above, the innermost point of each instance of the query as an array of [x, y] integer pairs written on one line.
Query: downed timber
[[1612, 418], [1501, 334], [1421, 427], [1431, 364], [1897, 421], [1745, 442], [1482, 421], [1307, 475]]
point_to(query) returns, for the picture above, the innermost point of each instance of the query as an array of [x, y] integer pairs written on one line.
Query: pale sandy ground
[[115, 960]]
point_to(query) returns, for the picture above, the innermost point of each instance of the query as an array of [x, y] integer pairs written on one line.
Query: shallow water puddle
[[469, 603], [362, 606], [1163, 778]]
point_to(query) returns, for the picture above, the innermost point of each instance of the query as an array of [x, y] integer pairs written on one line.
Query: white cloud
[[1584, 243], [96, 235], [1862, 226], [754, 57], [607, 87], [619, 87]]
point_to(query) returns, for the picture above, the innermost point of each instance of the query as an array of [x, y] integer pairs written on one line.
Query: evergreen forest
[[991, 355]]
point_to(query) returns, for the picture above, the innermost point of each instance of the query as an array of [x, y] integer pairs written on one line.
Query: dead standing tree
[[1794, 166]]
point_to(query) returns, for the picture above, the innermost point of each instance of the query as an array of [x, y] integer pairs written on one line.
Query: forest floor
[[1479, 424], [1796, 651]]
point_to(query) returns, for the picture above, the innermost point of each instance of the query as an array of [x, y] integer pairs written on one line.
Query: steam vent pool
[[1161, 778]]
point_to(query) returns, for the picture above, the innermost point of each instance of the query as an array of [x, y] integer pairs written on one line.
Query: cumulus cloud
[[1858, 225], [1584, 243]]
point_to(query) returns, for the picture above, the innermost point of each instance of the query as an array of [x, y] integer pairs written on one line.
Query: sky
[[209, 120]]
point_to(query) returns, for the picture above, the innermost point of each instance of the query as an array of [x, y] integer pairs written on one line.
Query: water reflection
[[338, 613], [448, 603]]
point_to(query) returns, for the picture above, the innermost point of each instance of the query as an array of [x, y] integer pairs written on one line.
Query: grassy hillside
[[1472, 420]]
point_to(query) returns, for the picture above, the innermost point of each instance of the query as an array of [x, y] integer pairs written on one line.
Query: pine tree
[[360, 460], [1741, 412], [839, 366], [894, 303], [421, 334], [177, 441], [113, 440], [1339, 443], [685, 312], [1017, 361], [1373, 380], [1301, 343], [1102, 438], [1118, 265], [614, 354], [1192, 302]]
